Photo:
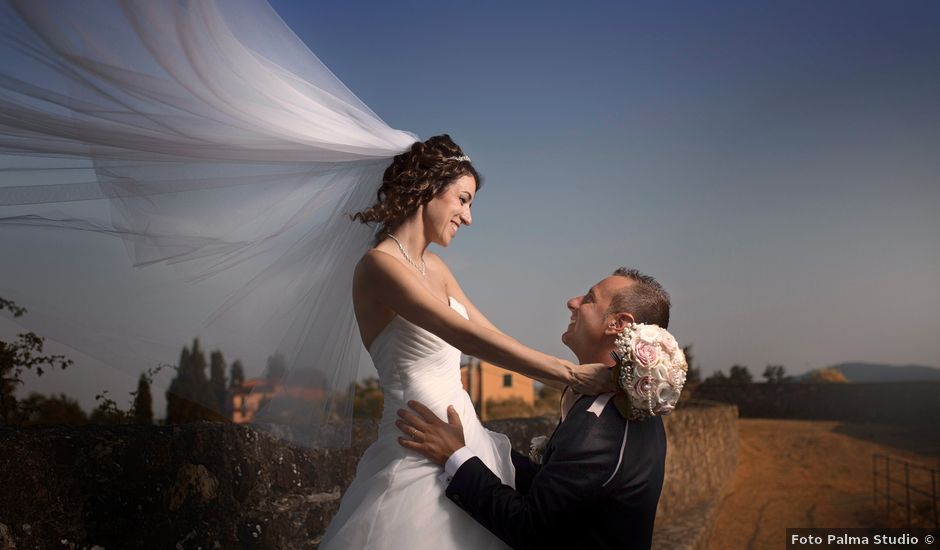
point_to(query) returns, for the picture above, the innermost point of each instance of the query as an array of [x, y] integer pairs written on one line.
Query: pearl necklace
[[422, 269]]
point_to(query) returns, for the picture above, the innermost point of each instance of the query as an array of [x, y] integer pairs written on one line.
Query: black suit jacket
[[579, 497]]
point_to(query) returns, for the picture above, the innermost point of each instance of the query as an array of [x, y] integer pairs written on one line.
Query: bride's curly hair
[[413, 179]]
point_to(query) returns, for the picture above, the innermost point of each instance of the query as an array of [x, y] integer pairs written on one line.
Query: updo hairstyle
[[413, 179]]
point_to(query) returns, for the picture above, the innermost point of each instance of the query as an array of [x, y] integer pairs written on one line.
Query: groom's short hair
[[645, 299]]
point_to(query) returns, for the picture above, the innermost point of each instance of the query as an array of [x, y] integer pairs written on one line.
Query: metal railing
[[899, 490]]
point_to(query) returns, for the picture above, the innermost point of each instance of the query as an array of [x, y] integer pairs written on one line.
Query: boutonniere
[[537, 448], [650, 371]]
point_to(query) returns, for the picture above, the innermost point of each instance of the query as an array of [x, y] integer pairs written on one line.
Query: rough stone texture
[[6, 538], [200, 485], [701, 456], [521, 430], [208, 485], [884, 402]]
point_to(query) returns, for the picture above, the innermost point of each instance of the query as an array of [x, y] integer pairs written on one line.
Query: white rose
[[680, 377], [669, 342], [649, 333], [660, 372], [537, 448], [668, 395]]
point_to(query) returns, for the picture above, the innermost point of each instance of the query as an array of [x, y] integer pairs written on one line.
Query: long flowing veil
[[175, 169]]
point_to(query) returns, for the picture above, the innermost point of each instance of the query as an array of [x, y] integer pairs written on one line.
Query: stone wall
[[200, 485], [885, 402], [207, 485], [701, 457]]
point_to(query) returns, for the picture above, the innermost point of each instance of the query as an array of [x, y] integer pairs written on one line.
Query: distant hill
[[872, 372]]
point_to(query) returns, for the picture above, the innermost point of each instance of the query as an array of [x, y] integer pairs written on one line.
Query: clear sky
[[775, 165]]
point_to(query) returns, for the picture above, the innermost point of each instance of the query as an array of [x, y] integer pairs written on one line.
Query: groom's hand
[[428, 434]]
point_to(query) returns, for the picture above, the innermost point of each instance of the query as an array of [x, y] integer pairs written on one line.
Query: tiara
[[461, 158]]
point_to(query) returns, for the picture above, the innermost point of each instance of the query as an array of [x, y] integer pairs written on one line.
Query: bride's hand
[[592, 379]]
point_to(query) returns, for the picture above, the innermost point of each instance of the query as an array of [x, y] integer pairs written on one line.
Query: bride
[[414, 319], [228, 159]]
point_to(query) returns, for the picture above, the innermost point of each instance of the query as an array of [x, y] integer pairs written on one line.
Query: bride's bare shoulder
[[374, 260], [435, 262], [376, 264]]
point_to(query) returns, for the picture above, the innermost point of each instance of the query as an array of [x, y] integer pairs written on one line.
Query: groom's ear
[[618, 322]]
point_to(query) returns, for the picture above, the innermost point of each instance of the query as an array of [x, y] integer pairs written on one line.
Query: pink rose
[[646, 354], [643, 386]]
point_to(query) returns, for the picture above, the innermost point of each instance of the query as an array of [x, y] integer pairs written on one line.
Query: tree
[[368, 401], [175, 400], [223, 402], [776, 374], [237, 374], [547, 401], [60, 410], [739, 375], [694, 376], [189, 397], [25, 353], [717, 377], [512, 407], [108, 413], [276, 369], [198, 364], [143, 402]]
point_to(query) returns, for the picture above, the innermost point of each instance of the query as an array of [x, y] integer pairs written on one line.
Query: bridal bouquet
[[650, 371]]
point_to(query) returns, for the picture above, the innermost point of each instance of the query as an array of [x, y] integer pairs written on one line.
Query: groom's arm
[[525, 471], [586, 452], [523, 465], [583, 460]]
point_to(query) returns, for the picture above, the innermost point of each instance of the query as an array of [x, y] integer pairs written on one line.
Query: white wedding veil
[[180, 169]]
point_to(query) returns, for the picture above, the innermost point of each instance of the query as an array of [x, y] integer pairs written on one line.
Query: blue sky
[[775, 165]]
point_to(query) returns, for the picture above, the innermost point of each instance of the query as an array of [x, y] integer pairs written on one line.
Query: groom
[[596, 487]]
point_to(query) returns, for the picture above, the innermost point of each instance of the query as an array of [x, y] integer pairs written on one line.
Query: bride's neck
[[411, 236]]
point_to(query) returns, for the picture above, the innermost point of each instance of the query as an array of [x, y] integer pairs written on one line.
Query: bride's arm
[[391, 283], [476, 316], [453, 289]]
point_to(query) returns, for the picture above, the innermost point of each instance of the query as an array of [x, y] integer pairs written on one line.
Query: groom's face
[[588, 327]]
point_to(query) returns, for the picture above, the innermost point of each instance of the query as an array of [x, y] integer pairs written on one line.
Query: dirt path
[[795, 473]]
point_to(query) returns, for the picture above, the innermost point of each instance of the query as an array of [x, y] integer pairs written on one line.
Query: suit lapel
[[550, 446], [597, 407]]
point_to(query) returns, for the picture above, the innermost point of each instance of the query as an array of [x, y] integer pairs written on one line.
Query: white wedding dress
[[396, 500], [209, 139]]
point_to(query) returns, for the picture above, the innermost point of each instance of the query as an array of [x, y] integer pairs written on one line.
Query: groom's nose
[[573, 303]]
